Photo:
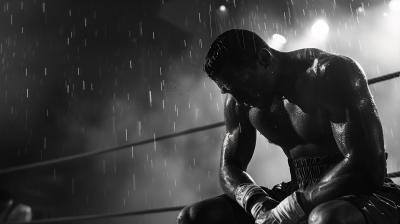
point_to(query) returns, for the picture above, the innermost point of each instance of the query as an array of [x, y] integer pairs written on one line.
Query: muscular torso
[[299, 134], [328, 110], [299, 125]]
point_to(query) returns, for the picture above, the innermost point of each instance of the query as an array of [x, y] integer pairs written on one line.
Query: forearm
[[232, 176], [346, 178]]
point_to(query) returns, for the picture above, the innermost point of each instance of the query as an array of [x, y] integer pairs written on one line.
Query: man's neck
[[286, 69]]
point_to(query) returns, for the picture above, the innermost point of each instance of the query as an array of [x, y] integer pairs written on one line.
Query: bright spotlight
[[320, 28], [277, 41], [222, 8], [394, 5], [279, 38]]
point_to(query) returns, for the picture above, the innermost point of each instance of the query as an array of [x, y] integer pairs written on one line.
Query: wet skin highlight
[[328, 110]]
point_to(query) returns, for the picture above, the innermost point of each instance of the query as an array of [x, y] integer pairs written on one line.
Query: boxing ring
[[135, 144]]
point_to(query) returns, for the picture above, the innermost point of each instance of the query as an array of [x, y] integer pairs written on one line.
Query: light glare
[[394, 5], [320, 28], [279, 38], [222, 8]]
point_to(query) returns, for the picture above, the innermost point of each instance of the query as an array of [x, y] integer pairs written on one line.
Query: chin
[[262, 106]]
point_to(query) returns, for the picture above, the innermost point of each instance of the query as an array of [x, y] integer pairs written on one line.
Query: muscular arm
[[358, 133], [237, 148]]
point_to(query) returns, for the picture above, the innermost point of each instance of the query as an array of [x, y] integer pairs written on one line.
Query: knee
[[184, 216], [323, 214], [201, 213], [210, 211], [335, 212], [189, 215], [319, 215]]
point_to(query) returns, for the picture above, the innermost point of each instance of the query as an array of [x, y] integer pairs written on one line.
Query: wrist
[[301, 200], [298, 209], [247, 195], [262, 204], [253, 200], [288, 209]]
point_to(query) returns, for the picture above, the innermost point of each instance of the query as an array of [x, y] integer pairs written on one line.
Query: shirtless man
[[317, 107]]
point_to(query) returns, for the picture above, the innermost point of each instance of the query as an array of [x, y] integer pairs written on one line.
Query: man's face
[[246, 85]]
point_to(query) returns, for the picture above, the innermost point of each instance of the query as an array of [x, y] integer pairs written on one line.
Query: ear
[[264, 57]]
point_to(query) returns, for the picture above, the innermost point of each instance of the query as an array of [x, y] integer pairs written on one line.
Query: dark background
[[79, 76]]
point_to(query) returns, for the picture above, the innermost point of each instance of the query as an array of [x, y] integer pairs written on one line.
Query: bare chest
[[289, 126]]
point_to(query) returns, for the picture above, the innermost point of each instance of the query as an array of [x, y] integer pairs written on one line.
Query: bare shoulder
[[343, 68], [344, 74], [307, 53], [342, 82]]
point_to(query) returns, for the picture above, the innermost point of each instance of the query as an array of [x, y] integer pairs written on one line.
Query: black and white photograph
[[200, 111]]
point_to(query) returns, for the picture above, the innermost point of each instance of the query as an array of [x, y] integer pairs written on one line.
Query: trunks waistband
[[308, 170]]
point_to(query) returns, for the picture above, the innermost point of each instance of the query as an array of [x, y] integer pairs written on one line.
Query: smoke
[[373, 41], [85, 77]]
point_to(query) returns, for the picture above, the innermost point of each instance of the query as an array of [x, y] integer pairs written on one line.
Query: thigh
[[376, 208], [336, 212], [217, 210]]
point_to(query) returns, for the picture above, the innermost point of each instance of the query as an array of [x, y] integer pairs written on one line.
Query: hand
[[262, 204], [267, 217], [287, 212]]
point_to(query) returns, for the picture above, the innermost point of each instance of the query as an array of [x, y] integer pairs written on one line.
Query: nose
[[247, 105], [247, 101]]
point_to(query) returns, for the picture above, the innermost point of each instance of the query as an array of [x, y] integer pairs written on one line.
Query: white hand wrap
[[258, 205], [287, 212], [244, 191]]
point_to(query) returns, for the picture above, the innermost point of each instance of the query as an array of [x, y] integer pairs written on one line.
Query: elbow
[[375, 176], [375, 182], [224, 175], [369, 169], [221, 178]]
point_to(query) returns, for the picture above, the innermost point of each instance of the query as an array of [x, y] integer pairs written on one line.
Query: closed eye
[[235, 84]]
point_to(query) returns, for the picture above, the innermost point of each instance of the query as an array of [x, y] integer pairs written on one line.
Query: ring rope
[[101, 216], [98, 152], [394, 174], [149, 211], [189, 131], [383, 77]]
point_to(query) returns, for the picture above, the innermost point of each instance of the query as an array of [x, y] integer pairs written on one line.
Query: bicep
[[354, 118], [240, 139]]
